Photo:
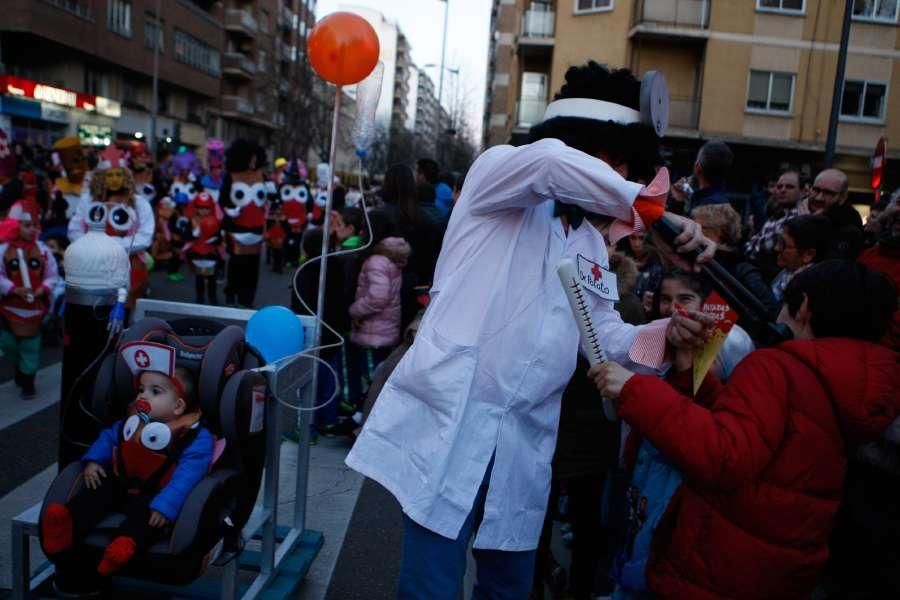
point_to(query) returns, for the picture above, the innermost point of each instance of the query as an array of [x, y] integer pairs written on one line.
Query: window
[[79, 8], [585, 6], [131, 94], [770, 92], [162, 102], [195, 110], [154, 34], [118, 17], [262, 58], [195, 53], [864, 100], [876, 10], [532, 99], [788, 6], [93, 82]]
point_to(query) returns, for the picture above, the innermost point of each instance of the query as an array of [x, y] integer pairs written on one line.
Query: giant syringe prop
[[568, 276], [26, 276]]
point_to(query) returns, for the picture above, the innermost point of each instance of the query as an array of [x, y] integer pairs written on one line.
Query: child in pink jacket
[[376, 310]]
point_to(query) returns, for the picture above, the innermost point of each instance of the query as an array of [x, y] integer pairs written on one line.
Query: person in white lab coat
[[464, 430]]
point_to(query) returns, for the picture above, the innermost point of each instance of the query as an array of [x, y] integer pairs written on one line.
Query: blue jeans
[[328, 414], [433, 566]]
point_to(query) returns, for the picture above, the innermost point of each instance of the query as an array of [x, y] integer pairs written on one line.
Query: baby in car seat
[[144, 466]]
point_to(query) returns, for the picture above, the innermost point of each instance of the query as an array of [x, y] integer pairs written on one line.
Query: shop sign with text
[[26, 88]]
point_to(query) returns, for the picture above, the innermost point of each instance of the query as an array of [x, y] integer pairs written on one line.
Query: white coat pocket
[[436, 374], [420, 406]]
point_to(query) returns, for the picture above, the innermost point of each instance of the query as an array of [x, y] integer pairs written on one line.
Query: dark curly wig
[[244, 155], [635, 145]]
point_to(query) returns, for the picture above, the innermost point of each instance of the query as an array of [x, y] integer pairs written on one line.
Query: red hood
[[862, 379]]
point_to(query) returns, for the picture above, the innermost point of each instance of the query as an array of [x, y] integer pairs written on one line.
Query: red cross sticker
[[597, 272], [142, 359]]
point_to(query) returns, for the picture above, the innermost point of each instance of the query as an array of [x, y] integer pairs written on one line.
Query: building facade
[[224, 67], [393, 105], [758, 74], [427, 124]]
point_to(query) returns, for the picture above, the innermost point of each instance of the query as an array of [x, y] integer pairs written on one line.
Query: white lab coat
[[139, 239], [496, 348]]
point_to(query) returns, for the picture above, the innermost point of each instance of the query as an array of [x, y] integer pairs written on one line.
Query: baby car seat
[[232, 399]]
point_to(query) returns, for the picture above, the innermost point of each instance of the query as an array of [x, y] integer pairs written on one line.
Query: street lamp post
[[154, 105], [437, 117], [837, 93], [437, 128]]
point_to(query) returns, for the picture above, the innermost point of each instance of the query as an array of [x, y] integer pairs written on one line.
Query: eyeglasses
[[824, 191]]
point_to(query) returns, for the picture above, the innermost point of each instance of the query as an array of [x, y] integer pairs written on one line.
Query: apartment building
[[427, 125], [85, 67], [264, 56], [757, 73], [393, 105]]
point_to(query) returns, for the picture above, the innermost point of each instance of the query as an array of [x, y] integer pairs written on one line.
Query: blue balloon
[[276, 332]]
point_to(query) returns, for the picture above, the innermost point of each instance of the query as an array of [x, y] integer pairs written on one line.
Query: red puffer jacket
[[763, 468]]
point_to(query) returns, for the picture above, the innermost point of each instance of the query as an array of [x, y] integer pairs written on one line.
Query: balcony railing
[[538, 24], [240, 64], [530, 112], [673, 13], [684, 112], [237, 104], [79, 8], [241, 20], [286, 18]]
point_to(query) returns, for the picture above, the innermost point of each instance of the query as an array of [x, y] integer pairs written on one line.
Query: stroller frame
[[286, 553]]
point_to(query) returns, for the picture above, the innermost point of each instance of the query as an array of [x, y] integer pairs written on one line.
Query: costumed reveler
[[28, 275], [297, 206], [186, 169], [163, 250], [8, 165], [144, 466], [129, 218], [215, 162], [29, 201], [141, 166], [205, 250], [243, 199], [275, 234], [464, 430], [70, 161], [320, 195]]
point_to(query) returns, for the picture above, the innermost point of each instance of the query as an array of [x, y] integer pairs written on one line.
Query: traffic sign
[[879, 160]]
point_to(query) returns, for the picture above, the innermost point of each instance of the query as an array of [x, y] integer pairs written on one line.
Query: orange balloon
[[343, 48]]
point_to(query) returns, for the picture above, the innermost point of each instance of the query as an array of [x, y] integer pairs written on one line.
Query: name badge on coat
[[597, 279]]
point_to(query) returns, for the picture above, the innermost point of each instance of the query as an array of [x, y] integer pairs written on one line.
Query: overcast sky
[[422, 23]]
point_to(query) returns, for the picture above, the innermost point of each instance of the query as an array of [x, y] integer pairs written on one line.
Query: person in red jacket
[[884, 257], [764, 465]]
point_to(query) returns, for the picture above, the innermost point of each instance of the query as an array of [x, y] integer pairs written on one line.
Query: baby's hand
[[92, 474], [157, 519]]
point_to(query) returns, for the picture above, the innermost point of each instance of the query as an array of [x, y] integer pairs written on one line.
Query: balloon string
[[310, 352]]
